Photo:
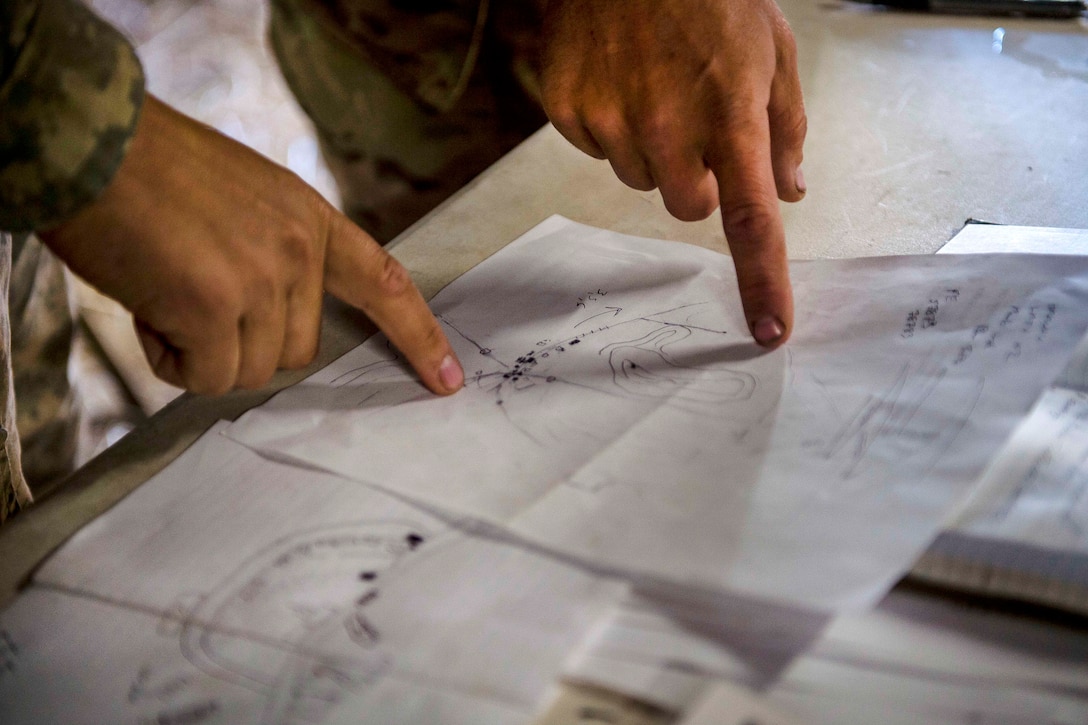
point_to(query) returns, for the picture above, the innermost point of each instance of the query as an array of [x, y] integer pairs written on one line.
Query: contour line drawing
[[326, 649]]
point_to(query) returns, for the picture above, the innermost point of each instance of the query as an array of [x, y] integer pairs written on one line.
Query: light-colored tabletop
[[916, 123]]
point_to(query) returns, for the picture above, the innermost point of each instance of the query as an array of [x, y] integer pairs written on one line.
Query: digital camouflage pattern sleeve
[[71, 90]]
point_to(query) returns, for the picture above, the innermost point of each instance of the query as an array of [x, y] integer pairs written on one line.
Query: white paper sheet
[[917, 659], [828, 692], [668, 650], [976, 238], [69, 660], [1018, 535], [1036, 491], [617, 410], [316, 598], [726, 704], [913, 659]]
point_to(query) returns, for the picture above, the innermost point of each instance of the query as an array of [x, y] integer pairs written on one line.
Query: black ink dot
[[506, 375], [413, 540], [633, 366], [368, 576], [575, 342], [485, 350]]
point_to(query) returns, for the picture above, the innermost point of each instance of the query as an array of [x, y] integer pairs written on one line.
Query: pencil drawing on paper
[[660, 357], [307, 596], [643, 358], [572, 384], [900, 424]]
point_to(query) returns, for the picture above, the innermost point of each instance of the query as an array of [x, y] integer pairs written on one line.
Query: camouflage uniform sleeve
[[71, 88]]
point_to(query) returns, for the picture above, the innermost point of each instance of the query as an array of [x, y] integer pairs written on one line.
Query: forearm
[[71, 89]]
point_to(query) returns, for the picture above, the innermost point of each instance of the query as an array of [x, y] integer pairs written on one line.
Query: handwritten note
[[616, 409]]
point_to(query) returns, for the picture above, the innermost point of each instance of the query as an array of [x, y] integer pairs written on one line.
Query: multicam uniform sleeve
[[71, 88]]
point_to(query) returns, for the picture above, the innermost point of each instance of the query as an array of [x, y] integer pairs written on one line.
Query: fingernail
[[801, 181], [451, 374], [767, 330]]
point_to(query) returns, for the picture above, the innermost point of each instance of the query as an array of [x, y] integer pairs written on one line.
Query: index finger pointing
[[741, 160], [360, 272]]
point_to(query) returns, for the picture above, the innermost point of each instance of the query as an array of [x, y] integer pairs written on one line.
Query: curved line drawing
[[642, 360], [381, 370], [645, 367], [310, 592]]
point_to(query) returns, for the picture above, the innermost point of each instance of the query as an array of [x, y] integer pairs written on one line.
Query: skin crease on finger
[[223, 257], [701, 99], [197, 234]]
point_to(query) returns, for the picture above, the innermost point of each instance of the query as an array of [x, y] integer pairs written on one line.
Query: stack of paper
[[629, 493], [1024, 532], [231, 589], [617, 410]]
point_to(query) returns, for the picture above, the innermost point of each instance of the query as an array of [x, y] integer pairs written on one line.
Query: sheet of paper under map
[[617, 410], [232, 589], [1037, 490]]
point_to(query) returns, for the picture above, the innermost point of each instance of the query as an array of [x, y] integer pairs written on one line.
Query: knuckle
[[204, 384], [559, 111], [434, 338], [785, 43], [393, 279], [261, 288], [256, 378], [690, 207], [748, 221], [705, 208], [165, 370], [800, 125], [299, 247], [791, 125], [218, 286], [657, 128], [300, 354], [212, 299], [607, 125], [634, 176]]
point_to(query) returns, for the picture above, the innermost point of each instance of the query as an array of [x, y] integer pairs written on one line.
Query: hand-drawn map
[[617, 410], [232, 589]]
